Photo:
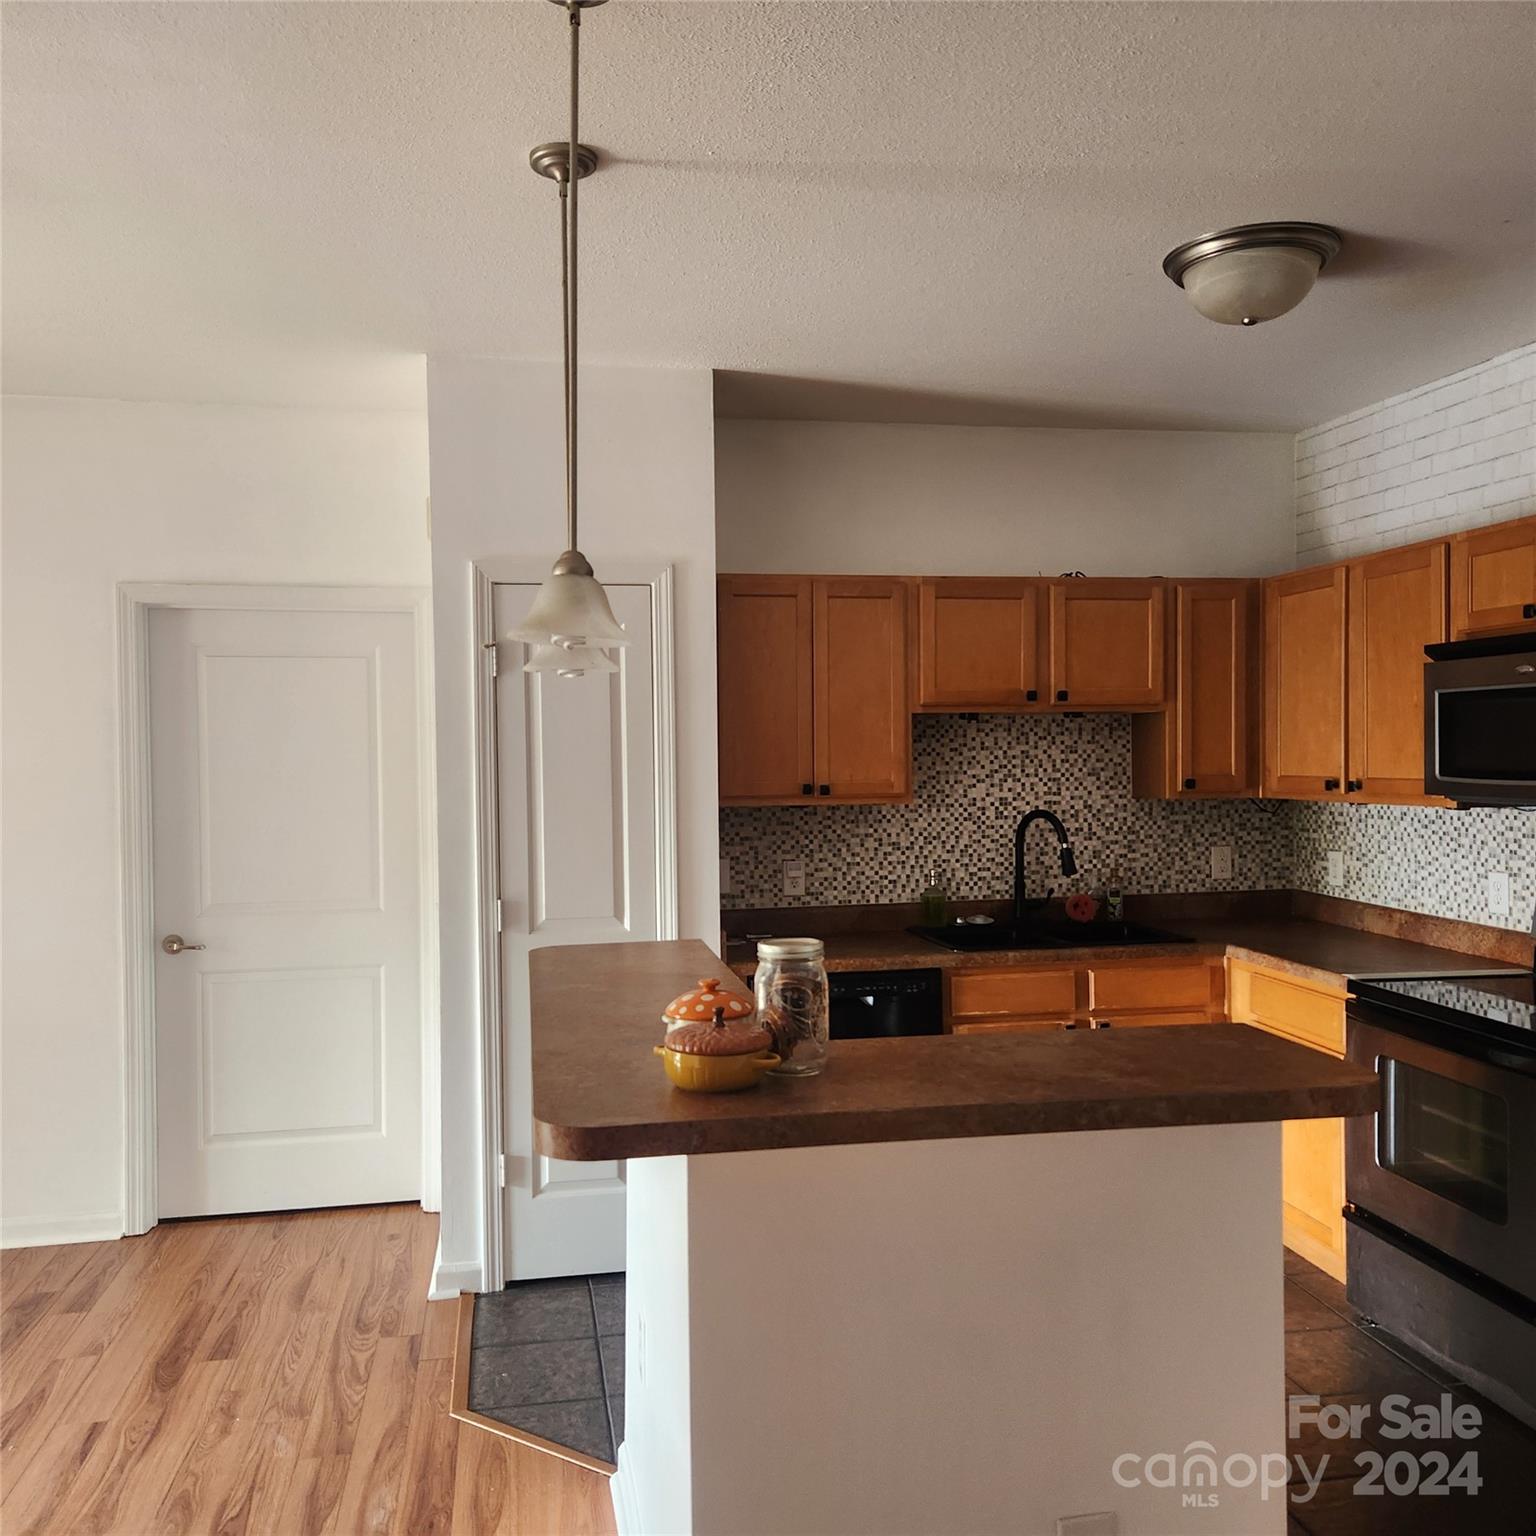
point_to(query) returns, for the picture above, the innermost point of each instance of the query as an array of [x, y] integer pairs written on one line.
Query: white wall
[[1451, 454], [97, 492], [968, 501], [920, 1365], [647, 478]]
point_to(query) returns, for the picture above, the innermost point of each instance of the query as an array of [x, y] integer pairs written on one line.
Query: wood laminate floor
[[278, 1374]]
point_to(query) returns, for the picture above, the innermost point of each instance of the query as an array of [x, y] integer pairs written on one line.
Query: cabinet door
[[979, 643], [765, 689], [1396, 607], [1312, 1151], [1304, 646], [1215, 742], [1107, 642], [863, 721], [1493, 580]]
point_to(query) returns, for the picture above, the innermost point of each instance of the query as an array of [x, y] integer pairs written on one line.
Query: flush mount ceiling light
[[570, 624], [1252, 272]]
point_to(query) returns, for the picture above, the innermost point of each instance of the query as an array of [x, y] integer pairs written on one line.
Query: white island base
[[964, 1336]]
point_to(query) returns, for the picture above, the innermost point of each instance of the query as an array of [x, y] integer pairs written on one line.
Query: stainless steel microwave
[[1480, 720]]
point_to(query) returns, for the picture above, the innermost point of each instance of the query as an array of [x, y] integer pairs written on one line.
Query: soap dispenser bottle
[[934, 901]]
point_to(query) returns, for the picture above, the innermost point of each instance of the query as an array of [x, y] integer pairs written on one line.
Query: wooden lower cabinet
[[1312, 1151], [1117, 993]]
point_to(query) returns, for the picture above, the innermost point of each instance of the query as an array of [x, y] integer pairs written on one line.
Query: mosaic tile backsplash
[[1418, 858], [972, 779]]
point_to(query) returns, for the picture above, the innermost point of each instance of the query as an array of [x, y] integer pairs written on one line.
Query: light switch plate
[[725, 876], [1221, 862], [1498, 892], [1335, 866], [794, 877]]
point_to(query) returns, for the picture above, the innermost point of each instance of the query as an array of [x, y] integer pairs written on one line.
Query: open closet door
[[580, 817]]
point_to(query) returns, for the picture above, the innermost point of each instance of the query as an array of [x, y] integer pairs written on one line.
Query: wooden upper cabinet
[[765, 681], [1397, 606], [1493, 580], [1304, 700], [1205, 742], [863, 720], [1216, 644], [979, 643], [813, 689], [1107, 643]]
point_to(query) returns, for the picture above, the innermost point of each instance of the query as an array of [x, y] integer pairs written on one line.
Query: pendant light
[[1252, 272], [570, 624]]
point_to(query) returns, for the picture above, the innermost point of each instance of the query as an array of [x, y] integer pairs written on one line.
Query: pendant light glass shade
[[571, 610], [569, 661]]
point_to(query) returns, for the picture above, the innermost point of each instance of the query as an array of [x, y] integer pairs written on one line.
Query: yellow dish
[[714, 1074]]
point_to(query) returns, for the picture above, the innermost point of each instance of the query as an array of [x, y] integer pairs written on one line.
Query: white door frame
[[487, 574], [135, 601]]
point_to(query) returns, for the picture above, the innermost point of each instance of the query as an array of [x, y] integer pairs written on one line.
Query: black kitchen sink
[[1044, 935]]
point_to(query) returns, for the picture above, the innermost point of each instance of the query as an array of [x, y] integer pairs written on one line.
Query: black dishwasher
[[866, 1005]]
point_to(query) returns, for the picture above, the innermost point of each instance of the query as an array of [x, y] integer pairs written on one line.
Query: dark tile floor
[[548, 1357], [1335, 1354]]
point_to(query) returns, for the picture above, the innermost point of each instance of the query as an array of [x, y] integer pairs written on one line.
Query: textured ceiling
[[894, 211]]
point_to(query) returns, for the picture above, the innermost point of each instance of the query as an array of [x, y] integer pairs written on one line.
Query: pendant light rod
[[569, 190]]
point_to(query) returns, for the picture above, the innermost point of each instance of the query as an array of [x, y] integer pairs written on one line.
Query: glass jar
[[792, 1002]]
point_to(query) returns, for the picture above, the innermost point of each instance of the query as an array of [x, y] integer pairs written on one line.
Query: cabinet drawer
[[1179, 986], [1008, 1027], [1308, 1014], [1142, 1020], [984, 994]]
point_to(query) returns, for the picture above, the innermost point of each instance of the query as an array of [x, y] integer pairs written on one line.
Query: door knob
[[173, 944]]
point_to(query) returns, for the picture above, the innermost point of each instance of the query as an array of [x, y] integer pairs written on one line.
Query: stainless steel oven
[[1450, 1157], [1440, 1183], [1480, 720]]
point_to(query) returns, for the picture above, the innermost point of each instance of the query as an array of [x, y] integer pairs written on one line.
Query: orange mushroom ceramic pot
[[719, 1056], [698, 1005]]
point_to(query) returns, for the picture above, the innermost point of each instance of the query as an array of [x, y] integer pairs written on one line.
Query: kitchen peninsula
[[873, 1300]]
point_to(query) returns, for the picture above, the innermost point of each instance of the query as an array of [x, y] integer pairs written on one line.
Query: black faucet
[[1068, 862]]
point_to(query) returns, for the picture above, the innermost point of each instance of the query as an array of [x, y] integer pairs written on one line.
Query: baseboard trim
[[41, 1232], [621, 1490], [449, 1280]]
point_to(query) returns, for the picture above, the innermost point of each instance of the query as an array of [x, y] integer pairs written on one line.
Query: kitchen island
[[951, 1284]]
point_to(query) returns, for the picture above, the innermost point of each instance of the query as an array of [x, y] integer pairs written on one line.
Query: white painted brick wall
[[1451, 454]]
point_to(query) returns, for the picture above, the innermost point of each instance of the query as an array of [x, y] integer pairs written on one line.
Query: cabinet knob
[[1330, 783], [1354, 786], [1031, 694], [1529, 611], [807, 789], [826, 789], [1061, 695], [1189, 783]]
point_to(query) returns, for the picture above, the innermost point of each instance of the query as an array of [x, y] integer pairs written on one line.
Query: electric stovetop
[[1501, 1005]]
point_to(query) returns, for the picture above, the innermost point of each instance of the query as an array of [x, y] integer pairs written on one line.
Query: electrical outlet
[[1498, 892], [1105, 1524], [1335, 866], [1221, 862], [725, 876], [794, 877]]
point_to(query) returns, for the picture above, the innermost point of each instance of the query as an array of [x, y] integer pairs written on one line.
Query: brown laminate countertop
[[1319, 951], [599, 1092]]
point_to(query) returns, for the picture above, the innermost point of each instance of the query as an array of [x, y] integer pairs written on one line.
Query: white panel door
[[576, 759], [286, 854]]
